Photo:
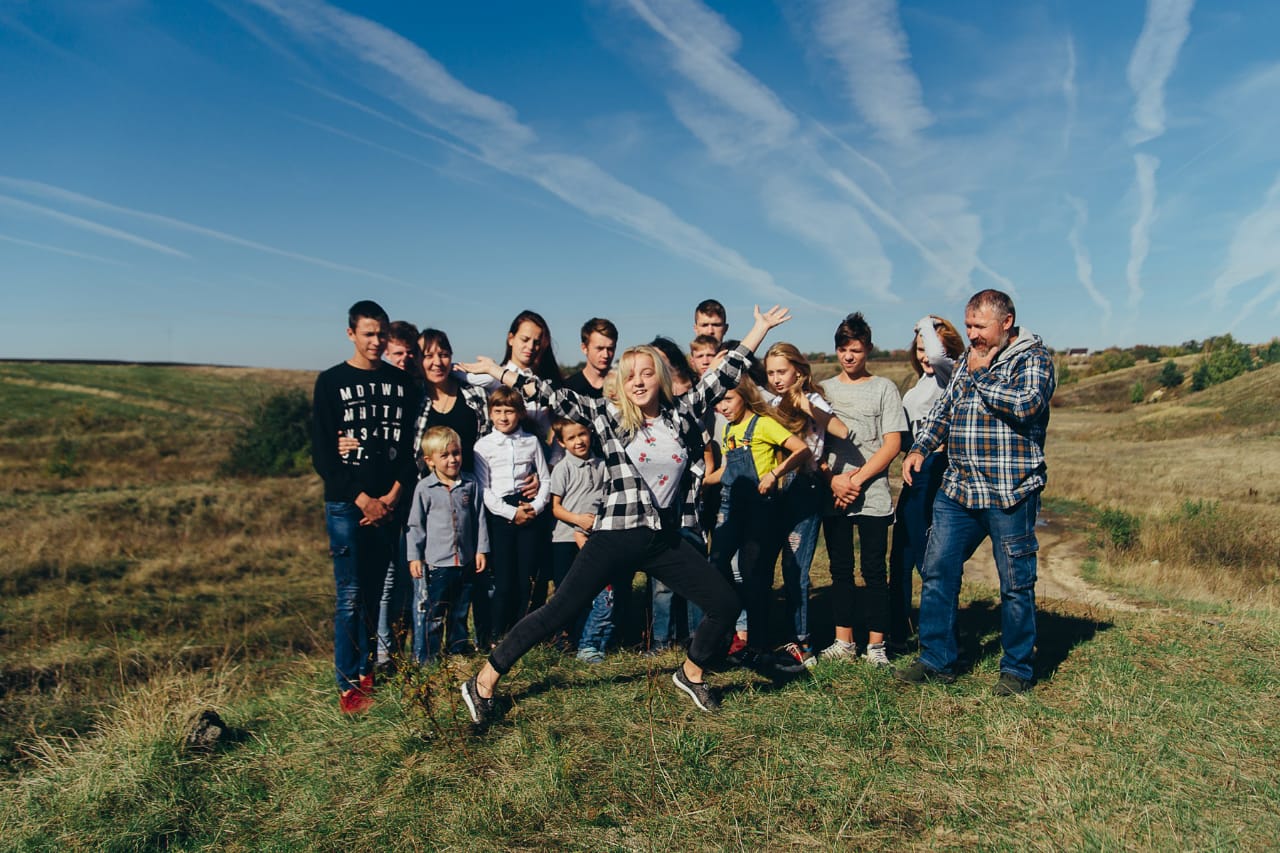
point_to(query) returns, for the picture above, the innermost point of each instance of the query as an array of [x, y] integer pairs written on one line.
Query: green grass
[[147, 588], [1152, 732]]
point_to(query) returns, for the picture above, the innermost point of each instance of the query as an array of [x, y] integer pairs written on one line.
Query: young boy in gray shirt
[[577, 491], [447, 543]]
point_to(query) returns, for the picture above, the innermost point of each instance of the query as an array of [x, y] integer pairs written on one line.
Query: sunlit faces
[[400, 354], [852, 357], [987, 329], [731, 407], [599, 352], [447, 462], [922, 357], [506, 419], [436, 363], [370, 339], [701, 358], [643, 386], [526, 344], [782, 374], [709, 324], [576, 440]]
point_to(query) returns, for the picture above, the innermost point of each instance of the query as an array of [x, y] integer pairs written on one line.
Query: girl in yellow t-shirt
[[759, 451]]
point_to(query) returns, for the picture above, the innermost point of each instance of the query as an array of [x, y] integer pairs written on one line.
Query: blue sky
[[218, 181]]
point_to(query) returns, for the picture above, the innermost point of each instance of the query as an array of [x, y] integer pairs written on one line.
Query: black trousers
[[613, 554], [873, 536]]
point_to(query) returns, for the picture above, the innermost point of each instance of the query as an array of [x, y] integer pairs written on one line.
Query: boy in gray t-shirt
[[577, 493]]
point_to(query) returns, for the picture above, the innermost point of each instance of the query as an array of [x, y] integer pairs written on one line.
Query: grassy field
[[142, 587]]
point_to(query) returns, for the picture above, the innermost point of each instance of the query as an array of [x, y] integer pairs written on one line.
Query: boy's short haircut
[[710, 308], [704, 342], [854, 328], [438, 439], [366, 308], [562, 424], [404, 333], [600, 326], [509, 397]]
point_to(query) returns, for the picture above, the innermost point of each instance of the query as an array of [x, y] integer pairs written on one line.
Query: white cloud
[[1140, 233], [1255, 248], [1084, 265], [1069, 93], [71, 253], [866, 39], [69, 197], [89, 225], [412, 78], [837, 229], [1154, 57]]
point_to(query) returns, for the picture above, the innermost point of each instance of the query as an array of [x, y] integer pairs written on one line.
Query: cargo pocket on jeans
[[1021, 554]]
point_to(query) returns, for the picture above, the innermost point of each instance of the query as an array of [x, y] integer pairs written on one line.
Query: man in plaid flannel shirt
[[992, 420]]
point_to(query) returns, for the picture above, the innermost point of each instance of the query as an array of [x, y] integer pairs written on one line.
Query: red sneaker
[[365, 685], [737, 651], [354, 701]]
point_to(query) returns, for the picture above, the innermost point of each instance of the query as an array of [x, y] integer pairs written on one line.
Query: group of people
[[516, 502]]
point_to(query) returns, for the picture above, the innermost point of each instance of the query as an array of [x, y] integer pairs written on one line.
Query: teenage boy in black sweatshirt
[[368, 399]]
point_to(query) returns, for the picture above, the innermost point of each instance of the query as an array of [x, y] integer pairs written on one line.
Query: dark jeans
[[515, 554], [873, 536], [441, 599], [753, 526], [910, 532], [360, 557], [612, 555]]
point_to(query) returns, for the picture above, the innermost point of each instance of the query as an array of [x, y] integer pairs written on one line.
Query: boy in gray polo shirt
[[577, 491], [447, 543]]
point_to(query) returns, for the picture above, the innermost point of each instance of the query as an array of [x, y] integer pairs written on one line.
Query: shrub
[[1111, 359], [64, 459], [1224, 359], [1064, 373], [1137, 393], [1171, 376], [1270, 354], [1120, 528], [1146, 353], [277, 441]]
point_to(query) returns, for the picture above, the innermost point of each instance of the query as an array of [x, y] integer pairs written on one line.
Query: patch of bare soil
[[1062, 553]]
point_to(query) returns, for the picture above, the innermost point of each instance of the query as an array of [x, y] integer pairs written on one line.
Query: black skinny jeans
[[613, 554], [873, 536]]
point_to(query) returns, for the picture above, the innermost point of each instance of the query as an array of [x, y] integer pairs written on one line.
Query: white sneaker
[[876, 655], [839, 650]]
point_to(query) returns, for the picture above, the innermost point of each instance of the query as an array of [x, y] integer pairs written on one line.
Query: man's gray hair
[[997, 300]]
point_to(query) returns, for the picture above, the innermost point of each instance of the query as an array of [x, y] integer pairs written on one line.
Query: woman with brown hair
[[933, 355]]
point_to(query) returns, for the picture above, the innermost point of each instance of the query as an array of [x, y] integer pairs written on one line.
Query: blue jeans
[[955, 535], [394, 606], [910, 533], [598, 629], [360, 557], [441, 599], [802, 506]]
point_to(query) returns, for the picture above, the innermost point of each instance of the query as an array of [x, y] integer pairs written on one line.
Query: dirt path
[[1062, 553]]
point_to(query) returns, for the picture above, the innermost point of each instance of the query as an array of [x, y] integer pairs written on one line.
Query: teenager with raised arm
[[650, 492]]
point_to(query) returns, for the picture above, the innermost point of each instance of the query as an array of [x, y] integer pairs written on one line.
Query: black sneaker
[[699, 691], [1010, 685], [918, 673], [480, 708]]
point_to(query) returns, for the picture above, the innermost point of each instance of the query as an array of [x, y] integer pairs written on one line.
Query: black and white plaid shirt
[[628, 503]]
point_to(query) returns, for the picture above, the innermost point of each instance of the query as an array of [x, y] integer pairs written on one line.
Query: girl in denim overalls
[[802, 409], [749, 523]]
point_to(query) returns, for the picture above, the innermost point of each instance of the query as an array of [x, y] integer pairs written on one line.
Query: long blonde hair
[[790, 412], [631, 417]]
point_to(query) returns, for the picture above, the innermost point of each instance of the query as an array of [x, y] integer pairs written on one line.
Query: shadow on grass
[[978, 630]]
